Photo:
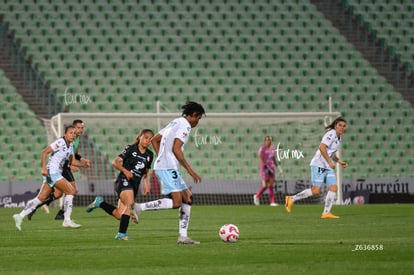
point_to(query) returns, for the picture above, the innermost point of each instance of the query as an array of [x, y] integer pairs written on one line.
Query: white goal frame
[[58, 122]]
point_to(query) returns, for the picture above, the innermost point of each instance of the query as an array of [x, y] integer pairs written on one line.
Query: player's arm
[[45, 152], [117, 164], [259, 154], [73, 168], [156, 141], [77, 155], [79, 163], [324, 152], [260, 157], [344, 164], [179, 154]]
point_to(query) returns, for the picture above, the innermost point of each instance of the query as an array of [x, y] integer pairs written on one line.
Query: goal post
[[222, 149]]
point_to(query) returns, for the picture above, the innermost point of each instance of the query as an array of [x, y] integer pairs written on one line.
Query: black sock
[[47, 202], [123, 223], [108, 208], [50, 199]]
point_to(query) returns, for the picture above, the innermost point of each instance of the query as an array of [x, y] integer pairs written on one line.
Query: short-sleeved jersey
[[136, 162], [268, 156], [332, 142], [178, 128], [61, 153]]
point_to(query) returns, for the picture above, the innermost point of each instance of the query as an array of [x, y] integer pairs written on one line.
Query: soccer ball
[[229, 233], [359, 200]]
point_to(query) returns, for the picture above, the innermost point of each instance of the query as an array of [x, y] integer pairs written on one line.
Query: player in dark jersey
[[133, 163]]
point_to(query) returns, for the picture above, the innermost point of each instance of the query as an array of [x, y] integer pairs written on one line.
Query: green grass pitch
[[367, 239]]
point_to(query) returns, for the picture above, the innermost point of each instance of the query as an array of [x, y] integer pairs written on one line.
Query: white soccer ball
[[229, 233]]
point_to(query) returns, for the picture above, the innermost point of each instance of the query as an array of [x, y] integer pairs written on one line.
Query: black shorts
[[122, 184], [67, 173]]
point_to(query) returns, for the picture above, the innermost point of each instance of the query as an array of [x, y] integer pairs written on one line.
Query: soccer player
[[267, 170], [60, 151], [133, 163], [66, 173], [169, 144], [322, 169]]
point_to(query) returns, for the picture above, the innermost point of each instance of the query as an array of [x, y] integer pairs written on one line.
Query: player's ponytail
[[143, 132], [336, 121]]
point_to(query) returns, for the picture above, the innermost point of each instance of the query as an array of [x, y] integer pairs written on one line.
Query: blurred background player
[[66, 173], [169, 145], [61, 150], [323, 169], [133, 163], [267, 166]]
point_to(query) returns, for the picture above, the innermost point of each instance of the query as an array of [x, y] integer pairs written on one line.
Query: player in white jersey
[[66, 173], [323, 169], [60, 151], [169, 144]]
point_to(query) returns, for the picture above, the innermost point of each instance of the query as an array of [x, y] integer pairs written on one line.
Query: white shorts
[[171, 181], [52, 179], [322, 175]]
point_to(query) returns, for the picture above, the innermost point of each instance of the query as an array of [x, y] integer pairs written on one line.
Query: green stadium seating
[[233, 57], [22, 136], [392, 21]]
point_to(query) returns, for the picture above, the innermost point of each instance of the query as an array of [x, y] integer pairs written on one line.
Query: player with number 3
[[169, 144]]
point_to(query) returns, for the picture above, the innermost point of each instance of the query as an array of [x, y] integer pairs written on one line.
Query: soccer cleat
[[274, 204], [288, 203], [256, 200], [136, 211], [95, 204], [122, 237], [329, 215], [186, 240], [70, 224], [60, 215], [18, 221], [45, 208]]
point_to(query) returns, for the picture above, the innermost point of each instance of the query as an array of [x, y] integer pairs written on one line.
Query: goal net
[[223, 150]]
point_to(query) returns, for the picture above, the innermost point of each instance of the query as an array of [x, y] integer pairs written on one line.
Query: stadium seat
[[272, 56]]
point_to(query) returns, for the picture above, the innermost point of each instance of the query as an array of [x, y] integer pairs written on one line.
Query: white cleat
[[45, 208], [70, 224], [136, 211], [18, 221], [256, 200], [186, 240]]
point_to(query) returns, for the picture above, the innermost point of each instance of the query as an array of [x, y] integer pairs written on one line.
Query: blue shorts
[[171, 181], [52, 179], [322, 175]]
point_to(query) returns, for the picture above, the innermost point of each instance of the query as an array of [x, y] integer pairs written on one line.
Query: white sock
[[329, 201], [68, 205], [302, 195], [185, 211], [157, 204], [30, 207]]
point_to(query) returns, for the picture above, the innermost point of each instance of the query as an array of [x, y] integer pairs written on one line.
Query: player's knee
[[176, 204], [189, 200], [315, 191], [71, 191], [333, 188]]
